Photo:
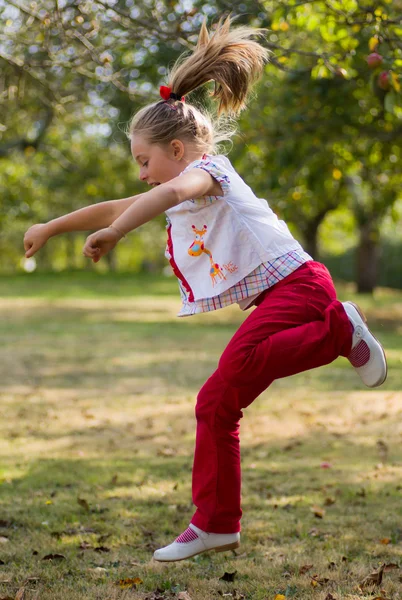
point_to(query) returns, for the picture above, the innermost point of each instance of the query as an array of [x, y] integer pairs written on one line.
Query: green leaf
[[391, 99]]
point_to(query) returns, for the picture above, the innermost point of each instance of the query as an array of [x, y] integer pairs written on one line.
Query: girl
[[225, 246]]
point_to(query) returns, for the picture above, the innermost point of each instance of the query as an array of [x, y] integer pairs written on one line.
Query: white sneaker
[[195, 541], [367, 355]]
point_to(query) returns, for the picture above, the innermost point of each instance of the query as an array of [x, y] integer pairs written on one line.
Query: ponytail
[[228, 57]]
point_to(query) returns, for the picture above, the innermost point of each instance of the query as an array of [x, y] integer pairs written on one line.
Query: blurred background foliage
[[321, 139]]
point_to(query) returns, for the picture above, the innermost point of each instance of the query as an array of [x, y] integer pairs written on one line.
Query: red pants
[[298, 325]]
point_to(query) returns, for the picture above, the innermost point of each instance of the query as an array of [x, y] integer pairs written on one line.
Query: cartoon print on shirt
[[197, 248]]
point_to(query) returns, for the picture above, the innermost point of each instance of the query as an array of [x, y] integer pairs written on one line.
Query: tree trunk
[[70, 251], [311, 243], [44, 259], [111, 260], [311, 233], [367, 258]]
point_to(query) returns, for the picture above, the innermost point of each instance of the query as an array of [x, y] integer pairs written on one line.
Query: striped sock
[[187, 536]]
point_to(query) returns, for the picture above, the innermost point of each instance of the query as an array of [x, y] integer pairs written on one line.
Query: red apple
[[384, 80], [374, 60]]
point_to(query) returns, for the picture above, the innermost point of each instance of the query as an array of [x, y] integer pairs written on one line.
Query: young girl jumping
[[225, 246]]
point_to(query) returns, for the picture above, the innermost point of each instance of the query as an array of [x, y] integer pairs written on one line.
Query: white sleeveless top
[[214, 242]]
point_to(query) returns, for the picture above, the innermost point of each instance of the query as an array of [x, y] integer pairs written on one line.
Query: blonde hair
[[231, 59]]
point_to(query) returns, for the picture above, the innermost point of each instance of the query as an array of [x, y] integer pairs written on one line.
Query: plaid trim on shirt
[[262, 278]]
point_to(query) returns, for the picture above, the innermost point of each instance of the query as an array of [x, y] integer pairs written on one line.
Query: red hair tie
[[166, 93]]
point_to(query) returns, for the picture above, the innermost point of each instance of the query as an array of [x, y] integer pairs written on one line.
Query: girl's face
[[158, 164]]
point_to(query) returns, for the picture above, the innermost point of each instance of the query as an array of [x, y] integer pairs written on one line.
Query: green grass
[[99, 380]]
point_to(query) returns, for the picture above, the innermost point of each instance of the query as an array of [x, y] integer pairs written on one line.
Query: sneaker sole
[[231, 546], [363, 316]]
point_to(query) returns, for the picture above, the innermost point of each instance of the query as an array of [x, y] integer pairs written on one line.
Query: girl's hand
[[35, 238], [100, 243]]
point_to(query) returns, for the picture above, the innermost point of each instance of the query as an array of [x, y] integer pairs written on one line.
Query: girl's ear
[[177, 149]]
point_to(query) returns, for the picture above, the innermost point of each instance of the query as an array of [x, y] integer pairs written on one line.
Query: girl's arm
[[149, 205], [90, 217], [96, 216], [185, 187]]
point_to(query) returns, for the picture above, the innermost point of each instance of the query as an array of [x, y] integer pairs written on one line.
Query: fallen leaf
[[102, 549], [280, 597], [228, 576], [391, 566], [128, 583], [314, 532], [385, 541], [54, 557], [85, 546], [318, 512], [319, 580], [374, 578], [20, 594], [292, 445], [329, 596], [167, 452], [304, 569], [183, 596], [4, 539], [329, 501], [325, 465], [82, 502], [98, 570], [382, 450], [114, 480]]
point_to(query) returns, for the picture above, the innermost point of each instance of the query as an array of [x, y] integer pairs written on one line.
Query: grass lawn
[[99, 380]]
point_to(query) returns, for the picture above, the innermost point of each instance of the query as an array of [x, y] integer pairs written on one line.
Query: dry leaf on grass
[[318, 512], [128, 583], [315, 580], [20, 594], [183, 596], [375, 578], [228, 576], [85, 546], [304, 569], [167, 452], [54, 557], [102, 549], [82, 502]]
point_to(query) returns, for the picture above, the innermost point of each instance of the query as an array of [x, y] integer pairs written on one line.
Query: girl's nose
[[143, 175]]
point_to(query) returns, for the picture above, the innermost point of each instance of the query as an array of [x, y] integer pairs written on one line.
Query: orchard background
[[321, 141]]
